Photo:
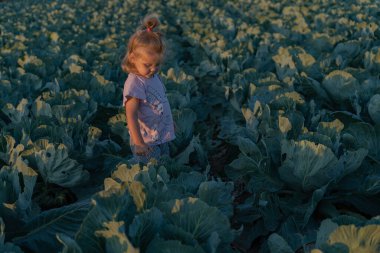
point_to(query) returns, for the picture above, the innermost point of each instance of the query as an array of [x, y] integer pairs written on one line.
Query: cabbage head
[[358, 239], [374, 108], [348, 234], [309, 166], [56, 167], [340, 85]]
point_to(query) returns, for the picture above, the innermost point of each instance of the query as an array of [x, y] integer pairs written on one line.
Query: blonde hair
[[146, 36]]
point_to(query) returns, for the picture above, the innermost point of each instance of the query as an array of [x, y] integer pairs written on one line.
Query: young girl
[[147, 108]]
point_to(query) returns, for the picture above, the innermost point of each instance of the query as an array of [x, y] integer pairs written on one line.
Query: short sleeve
[[133, 87]]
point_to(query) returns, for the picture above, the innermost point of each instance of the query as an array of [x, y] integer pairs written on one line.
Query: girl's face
[[146, 62]]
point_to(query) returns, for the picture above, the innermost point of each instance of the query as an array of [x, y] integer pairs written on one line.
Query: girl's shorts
[[156, 152]]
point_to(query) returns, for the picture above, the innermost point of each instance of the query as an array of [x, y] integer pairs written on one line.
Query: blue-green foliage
[[148, 207], [277, 127]]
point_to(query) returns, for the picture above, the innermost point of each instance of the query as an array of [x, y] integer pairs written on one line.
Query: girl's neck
[[144, 76]]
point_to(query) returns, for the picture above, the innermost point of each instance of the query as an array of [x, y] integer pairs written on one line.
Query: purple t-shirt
[[154, 114]]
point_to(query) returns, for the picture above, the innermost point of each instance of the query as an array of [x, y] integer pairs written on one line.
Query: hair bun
[[151, 21]]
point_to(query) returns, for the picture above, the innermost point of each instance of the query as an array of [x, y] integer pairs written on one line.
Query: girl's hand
[[142, 149]]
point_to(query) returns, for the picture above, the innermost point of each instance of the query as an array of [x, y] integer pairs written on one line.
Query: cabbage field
[[277, 111]]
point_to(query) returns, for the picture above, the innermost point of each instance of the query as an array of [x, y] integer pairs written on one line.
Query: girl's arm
[[131, 108]]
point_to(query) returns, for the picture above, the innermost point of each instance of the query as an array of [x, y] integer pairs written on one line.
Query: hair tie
[[149, 29]]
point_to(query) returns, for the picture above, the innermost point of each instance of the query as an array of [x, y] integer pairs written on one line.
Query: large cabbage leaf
[[115, 237], [218, 194], [194, 147], [44, 227], [110, 205], [253, 167], [144, 227], [172, 246], [18, 180], [366, 136], [277, 244], [189, 214], [187, 182], [69, 244], [184, 124]]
